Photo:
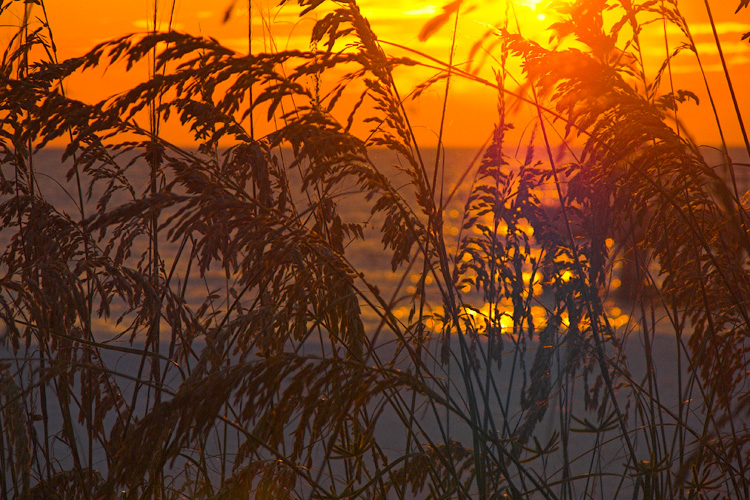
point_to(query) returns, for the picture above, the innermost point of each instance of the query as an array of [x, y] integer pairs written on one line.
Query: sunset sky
[[78, 25]]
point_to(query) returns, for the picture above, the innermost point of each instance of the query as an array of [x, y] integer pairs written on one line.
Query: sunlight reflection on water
[[366, 256]]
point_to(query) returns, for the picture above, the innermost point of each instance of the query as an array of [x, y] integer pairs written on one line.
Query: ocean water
[[368, 256], [458, 169]]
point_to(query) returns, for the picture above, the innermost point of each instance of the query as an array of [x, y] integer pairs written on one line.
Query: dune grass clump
[[197, 321]]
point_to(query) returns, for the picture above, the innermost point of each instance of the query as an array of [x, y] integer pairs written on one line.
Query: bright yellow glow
[[563, 259], [532, 4], [564, 319], [427, 10], [541, 17], [506, 323], [527, 276]]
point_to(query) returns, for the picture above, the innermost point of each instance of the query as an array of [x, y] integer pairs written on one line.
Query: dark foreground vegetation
[[501, 371]]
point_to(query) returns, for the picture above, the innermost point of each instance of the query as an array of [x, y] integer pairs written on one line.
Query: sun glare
[[429, 10], [532, 10], [532, 4]]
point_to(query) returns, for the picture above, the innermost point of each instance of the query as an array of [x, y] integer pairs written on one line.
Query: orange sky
[[78, 25]]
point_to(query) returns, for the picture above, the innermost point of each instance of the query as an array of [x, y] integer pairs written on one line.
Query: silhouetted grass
[[195, 326]]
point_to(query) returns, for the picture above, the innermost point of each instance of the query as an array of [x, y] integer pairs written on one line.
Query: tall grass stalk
[[201, 323]]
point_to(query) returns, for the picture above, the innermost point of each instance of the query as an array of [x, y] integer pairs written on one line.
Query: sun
[[535, 7], [532, 4]]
